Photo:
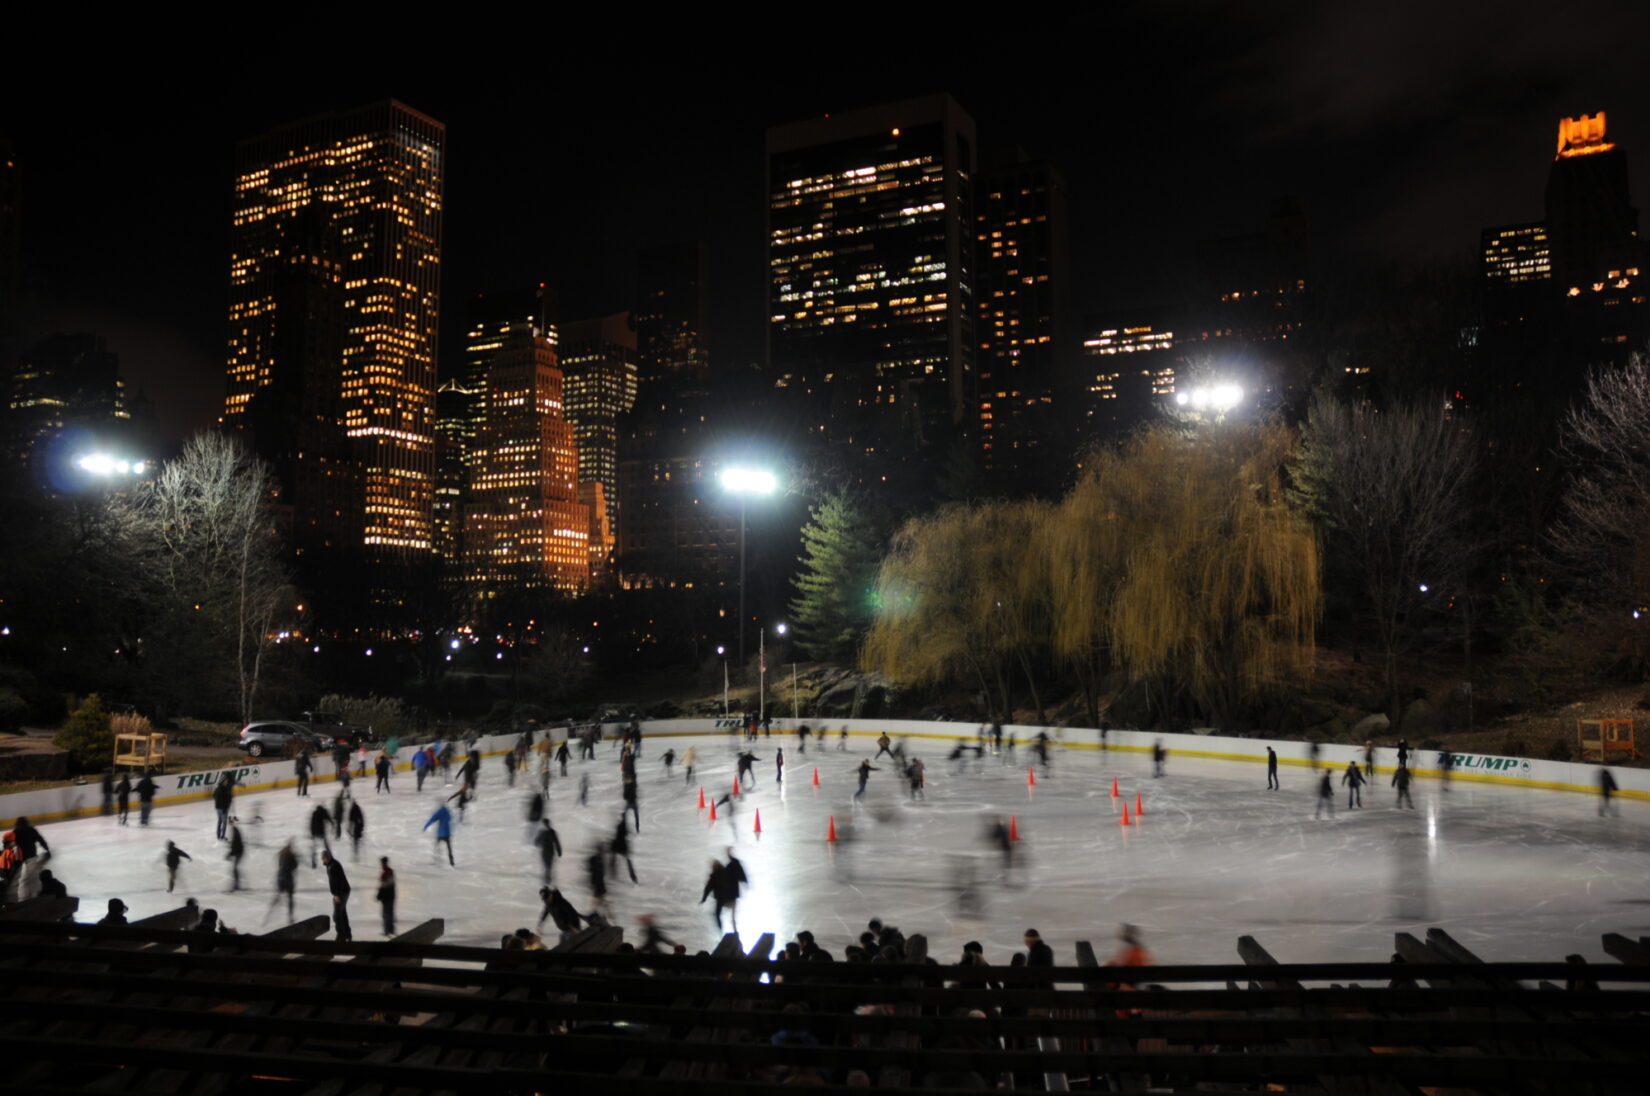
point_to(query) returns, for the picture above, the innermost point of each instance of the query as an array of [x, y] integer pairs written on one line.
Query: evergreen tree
[[835, 590], [87, 735]]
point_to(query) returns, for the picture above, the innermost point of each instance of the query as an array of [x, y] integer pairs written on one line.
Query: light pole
[[746, 482], [723, 651], [762, 670]]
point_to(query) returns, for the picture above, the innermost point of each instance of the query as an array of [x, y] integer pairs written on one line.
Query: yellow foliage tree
[[1175, 558]]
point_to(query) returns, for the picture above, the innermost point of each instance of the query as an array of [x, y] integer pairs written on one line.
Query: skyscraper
[[524, 526], [870, 274], [672, 338], [598, 362], [334, 287], [1025, 334]]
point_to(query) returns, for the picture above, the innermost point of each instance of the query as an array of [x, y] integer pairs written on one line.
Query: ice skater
[[509, 768], [1353, 780], [1369, 760], [669, 758], [442, 820], [595, 868], [1326, 795], [865, 771], [1606, 789], [1446, 765], [722, 885], [146, 797], [357, 827], [319, 823], [386, 894], [584, 789], [1271, 769], [223, 798], [560, 911], [779, 765], [914, 775], [338, 884], [421, 767], [690, 757], [463, 796], [339, 810], [237, 849], [1159, 756], [286, 879], [620, 847], [535, 815], [549, 846], [174, 857], [652, 937], [563, 756], [883, 747], [383, 769], [745, 772], [630, 791], [842, 740], [1400, 780], [300, 769], [123, 798]]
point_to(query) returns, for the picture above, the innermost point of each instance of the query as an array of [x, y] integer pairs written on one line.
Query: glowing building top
[[1582, 136]]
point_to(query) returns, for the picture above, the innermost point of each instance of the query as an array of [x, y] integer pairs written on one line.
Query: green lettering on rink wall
[[246, 775]]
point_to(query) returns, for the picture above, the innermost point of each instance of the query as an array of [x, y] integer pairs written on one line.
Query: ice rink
[[1510, 872]]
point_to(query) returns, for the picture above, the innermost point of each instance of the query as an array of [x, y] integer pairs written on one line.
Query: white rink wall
[[54, 804]]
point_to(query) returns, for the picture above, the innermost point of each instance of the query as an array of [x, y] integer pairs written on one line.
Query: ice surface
[[1512, 873]]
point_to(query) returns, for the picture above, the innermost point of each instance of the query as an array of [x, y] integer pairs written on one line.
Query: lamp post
[[762, 670], [723, 651], [746, 482]]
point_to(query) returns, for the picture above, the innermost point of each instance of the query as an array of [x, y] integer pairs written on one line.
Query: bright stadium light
[[741, 479]]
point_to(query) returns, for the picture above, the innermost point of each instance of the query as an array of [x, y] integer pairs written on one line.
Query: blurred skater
[[123, 798], [1326, 795], [1271, 769], [549, 846], [319, 823], [174, 857], [1159, 756], [1606, 789], [442, 820], [237, 849], [1353, 780], [338, 885], [865, 771], [1400, 780], [357, 827], [620, 847], [690, 757], [386, 894]]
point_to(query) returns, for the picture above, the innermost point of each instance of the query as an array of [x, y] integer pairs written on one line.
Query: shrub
[[13, 710], [88, 736], [384, 714]]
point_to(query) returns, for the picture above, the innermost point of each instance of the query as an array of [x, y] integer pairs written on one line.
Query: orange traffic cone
[[1139, 811], [736, 785], [758, 822], [1125, 821], [1114, 787], [816, 776], [701, 799], [830, 834], [1031, 778], [1013, 828], [713, 810]]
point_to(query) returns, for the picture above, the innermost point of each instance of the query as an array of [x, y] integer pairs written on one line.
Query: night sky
[[1404, 128]]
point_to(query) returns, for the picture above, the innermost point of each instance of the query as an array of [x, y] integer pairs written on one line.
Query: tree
[[835, 590], [1389, 489], [1600, 539], [203, 537], [1220, 591], [87, 735]]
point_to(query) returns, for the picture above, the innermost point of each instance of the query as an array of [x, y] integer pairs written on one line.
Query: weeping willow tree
[[1175, 559], [1219, 594], [962, 598]]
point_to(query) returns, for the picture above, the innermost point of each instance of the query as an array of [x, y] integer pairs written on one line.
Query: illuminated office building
[[1253, 286], [65, 390], [1023, 313], [334, 286], [671, 329], [524, 526], [1131, 362], [1514, 256], [870, 274], [598, 362]]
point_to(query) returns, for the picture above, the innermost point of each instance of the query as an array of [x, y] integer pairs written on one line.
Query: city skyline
[[1404, 135]]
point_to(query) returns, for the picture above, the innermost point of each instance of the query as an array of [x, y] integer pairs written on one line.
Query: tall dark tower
[[1593, 226], [870, 274], [334, 282], [1026, 335], [672, 340]]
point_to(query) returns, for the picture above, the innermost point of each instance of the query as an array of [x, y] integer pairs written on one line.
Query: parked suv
[[279, 737]]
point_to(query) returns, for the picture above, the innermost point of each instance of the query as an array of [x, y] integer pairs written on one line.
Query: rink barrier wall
[[254, 775]]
